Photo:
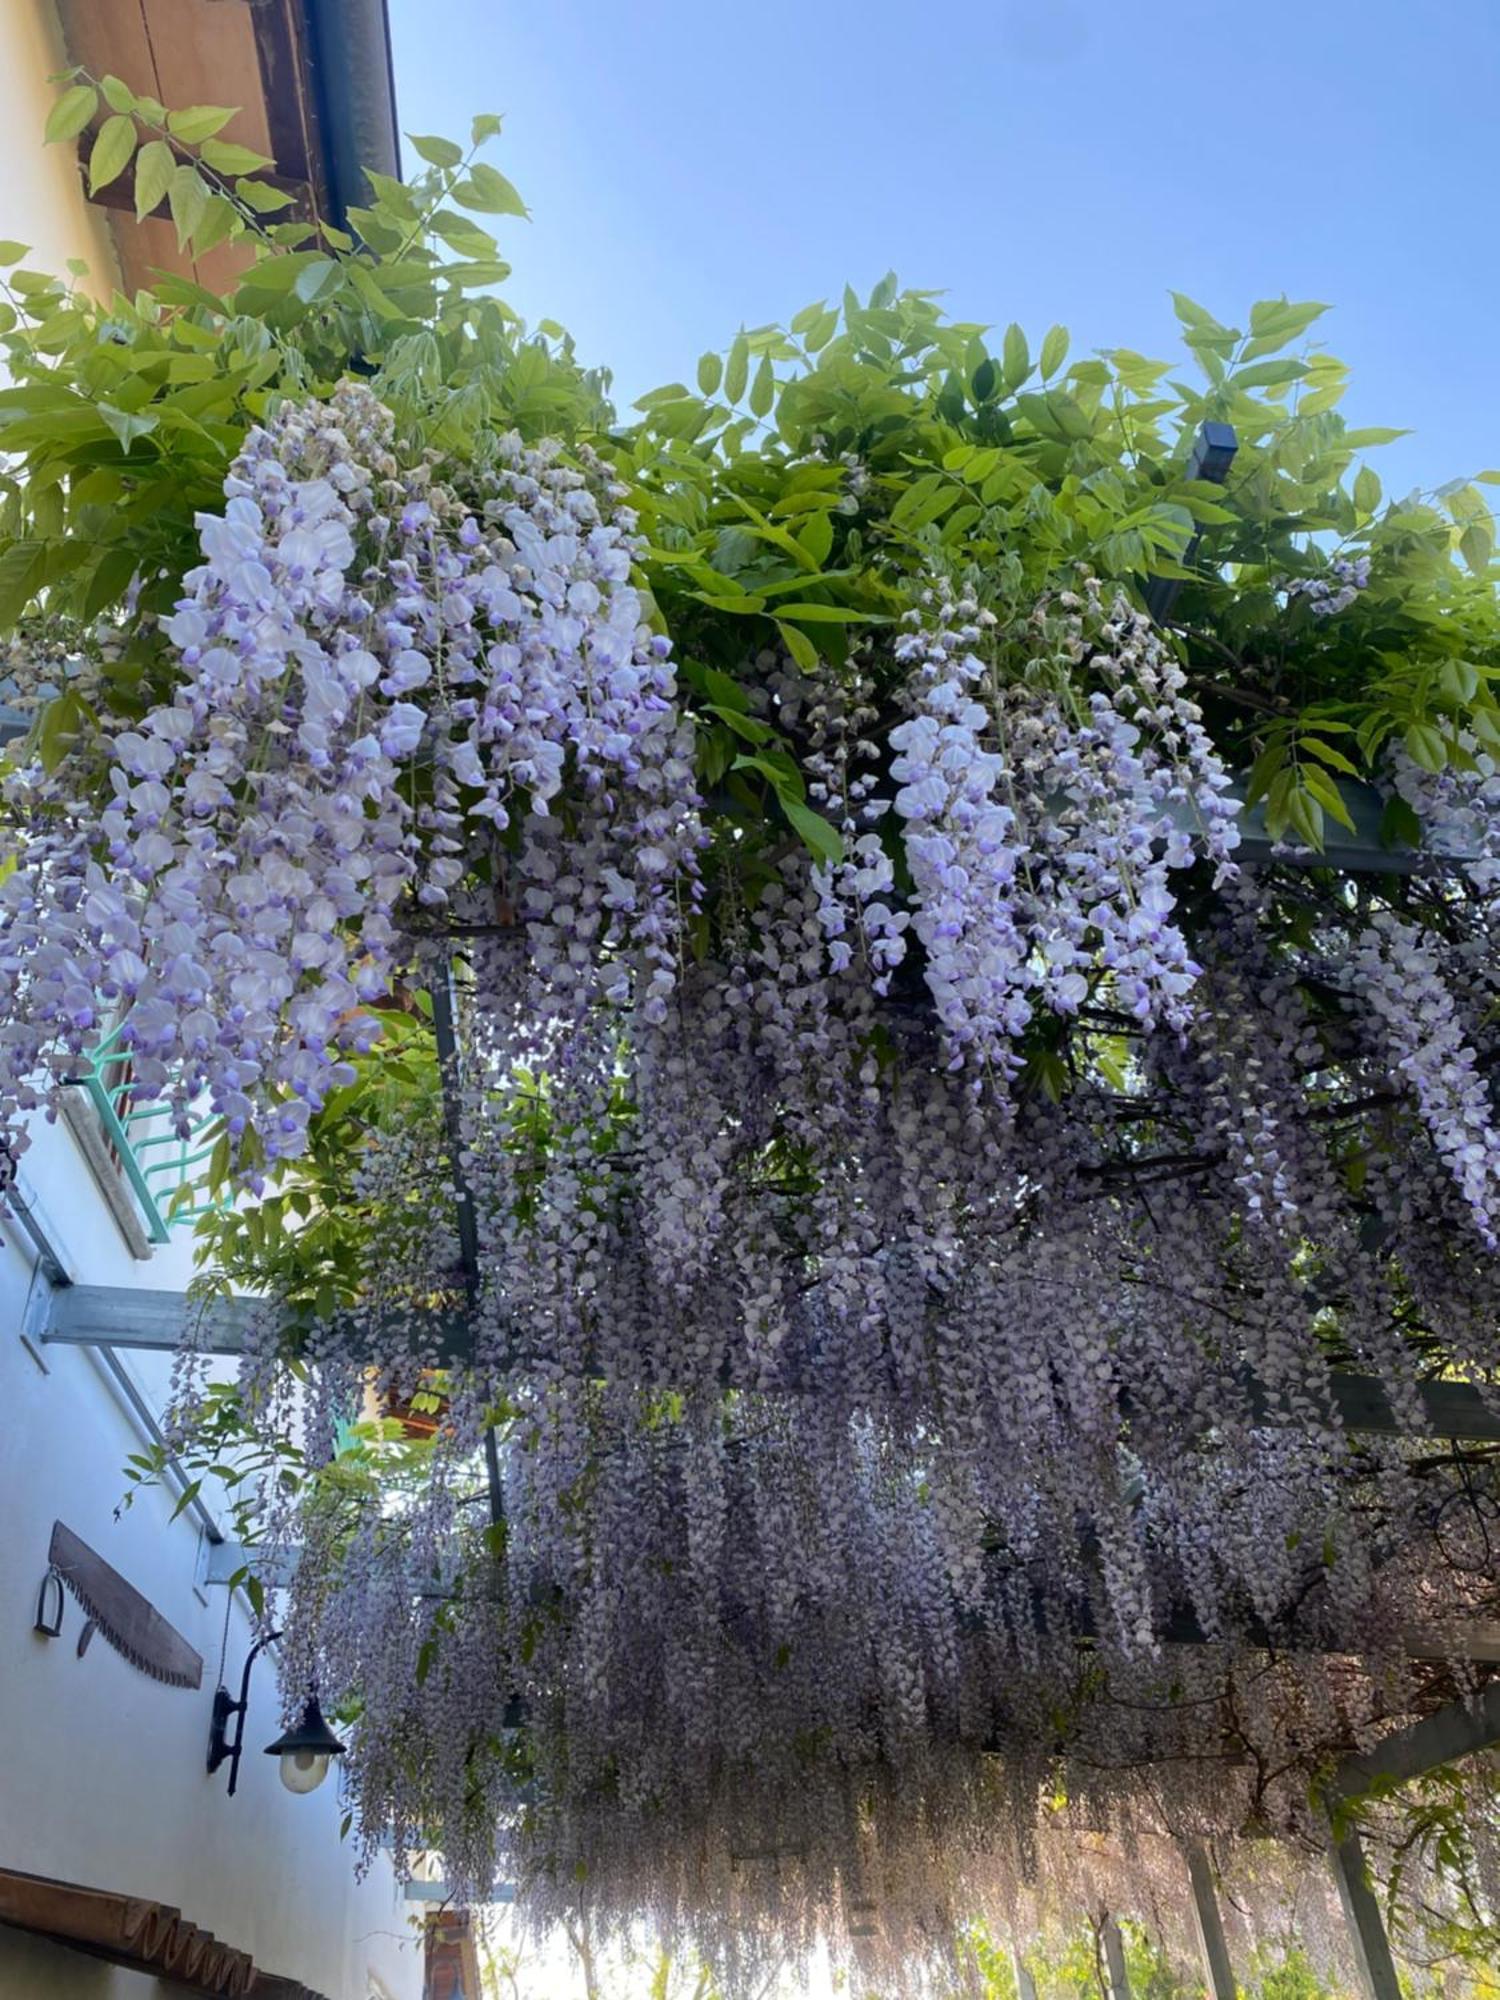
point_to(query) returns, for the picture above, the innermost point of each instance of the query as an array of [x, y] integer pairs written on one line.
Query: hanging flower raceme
[[1041, 841], [372, 671]]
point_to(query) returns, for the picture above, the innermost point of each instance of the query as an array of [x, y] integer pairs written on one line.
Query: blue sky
[[693, 165]]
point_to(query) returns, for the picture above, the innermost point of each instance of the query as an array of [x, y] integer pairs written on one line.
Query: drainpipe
[[349, 61]]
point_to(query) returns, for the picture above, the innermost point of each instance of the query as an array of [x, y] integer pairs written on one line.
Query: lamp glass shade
[[303, 1770], [305, 1750]]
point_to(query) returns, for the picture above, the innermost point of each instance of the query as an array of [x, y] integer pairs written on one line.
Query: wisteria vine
[[911, 1283]]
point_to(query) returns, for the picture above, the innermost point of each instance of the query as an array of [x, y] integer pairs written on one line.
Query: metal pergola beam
[[128, 1316], [1213, 1947], [1115, 1972], [1025, 1984], [1373, 1963], [1459, 1730]]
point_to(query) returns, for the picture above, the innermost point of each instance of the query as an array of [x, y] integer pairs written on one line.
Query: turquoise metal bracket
[[158, 1164]]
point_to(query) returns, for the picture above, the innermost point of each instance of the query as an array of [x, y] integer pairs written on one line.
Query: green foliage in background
[[969, 450]]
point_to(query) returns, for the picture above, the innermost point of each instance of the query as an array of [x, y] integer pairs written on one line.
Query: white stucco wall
[[102, 1778], [40, 197]]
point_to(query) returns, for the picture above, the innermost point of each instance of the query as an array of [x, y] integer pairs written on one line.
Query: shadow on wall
[[33, 1968]]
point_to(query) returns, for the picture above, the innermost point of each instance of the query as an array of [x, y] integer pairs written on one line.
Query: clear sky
[[692, 165]]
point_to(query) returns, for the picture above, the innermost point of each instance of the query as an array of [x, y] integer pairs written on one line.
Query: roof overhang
[[312, 81], [140, 1934]]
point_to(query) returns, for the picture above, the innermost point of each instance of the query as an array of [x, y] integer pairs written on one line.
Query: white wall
[[40, 197], [102, 1778]]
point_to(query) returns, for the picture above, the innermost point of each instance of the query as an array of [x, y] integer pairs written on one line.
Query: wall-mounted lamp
[[304, 1751]]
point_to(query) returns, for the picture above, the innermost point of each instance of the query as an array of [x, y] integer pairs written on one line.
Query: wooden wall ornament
[[130, 1623]]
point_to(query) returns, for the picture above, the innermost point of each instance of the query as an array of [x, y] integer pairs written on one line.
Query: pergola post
[[1373, 1962], [1114, 1960], [1218, 1973], [1459, 1730], [1025, 1984]]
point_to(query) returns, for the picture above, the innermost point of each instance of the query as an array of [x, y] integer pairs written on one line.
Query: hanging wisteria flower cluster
[[370, 668], [907, 1293]]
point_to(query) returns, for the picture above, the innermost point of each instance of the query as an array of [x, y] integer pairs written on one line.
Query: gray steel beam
[[1453, 1732], [1371, 1947], [444, 1892], [1025, 1984], [1208, 1923], [128, 1316], [1117, 1977], [139, 1317], [1457, 1731], [125, 1386]]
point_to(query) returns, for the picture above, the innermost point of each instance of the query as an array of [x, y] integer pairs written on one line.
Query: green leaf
[[818, 836], [198, 122], [260, 198], [220, 221], [187, 197], [801, 648], [669, 392], [737, 372], [1017, 357], [1425, 746], [488, 192], [1054, 350], [227, 158], [1459, 681], [1195, 317], [1268, 375], [1305, 817], [315, 278], [1399, 825], [71, 113], [1317, 400], [112, 151], [126, 425], [985, 381], [1476, 545], [154, 169], [462, 235], [747, 726], [439, 152], [816, 536], [710, 372], [22, 570], [821, 331], [1366, 490], [830, 614], [118, 96], [1267, 766], [1326, 792], [1326, 754], [486, 126], [777, 765], [12, 252], [763, 388], [1283, 319]]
